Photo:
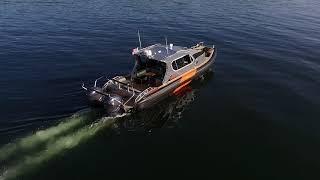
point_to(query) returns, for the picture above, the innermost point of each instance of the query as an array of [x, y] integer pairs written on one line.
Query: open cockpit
[[146, 73]]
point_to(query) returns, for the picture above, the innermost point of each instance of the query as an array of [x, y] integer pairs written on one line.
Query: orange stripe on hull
[[188, 75], [185, 80], [177, 90]]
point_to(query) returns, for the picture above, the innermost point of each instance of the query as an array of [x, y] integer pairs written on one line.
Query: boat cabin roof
[[163, 53]]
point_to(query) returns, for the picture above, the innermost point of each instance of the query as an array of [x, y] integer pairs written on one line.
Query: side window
[[179, 63], [196, 55], [174, 65], [187, 60]]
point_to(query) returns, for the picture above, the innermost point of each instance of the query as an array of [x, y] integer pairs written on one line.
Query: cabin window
[[196, 55], [180, 63], [174, 65]]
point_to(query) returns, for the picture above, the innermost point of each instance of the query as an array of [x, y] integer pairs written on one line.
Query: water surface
[[257, 116]]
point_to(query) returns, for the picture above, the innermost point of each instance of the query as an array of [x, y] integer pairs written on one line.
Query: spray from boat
[[36, 140], [27, 154]]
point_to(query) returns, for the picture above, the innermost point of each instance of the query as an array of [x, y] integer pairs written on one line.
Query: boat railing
[[133, 94], [200, 44], [143, 94], [120, 85]]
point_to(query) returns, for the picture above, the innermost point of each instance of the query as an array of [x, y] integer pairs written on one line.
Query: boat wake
[[27, 154], [30, 152]]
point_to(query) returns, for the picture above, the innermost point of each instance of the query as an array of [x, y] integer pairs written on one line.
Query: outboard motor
[[114, 105], [111, 103], [96, 99]]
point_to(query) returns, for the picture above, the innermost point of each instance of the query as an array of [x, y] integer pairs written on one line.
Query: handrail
[[142, 94], [128, 86], [95, 82], [133, 94], [119, 82], [83, 87]]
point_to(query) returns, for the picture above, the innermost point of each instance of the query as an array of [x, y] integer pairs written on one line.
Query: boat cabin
[[157, 64]]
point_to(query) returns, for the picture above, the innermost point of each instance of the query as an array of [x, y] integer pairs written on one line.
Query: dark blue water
[[256, 117]]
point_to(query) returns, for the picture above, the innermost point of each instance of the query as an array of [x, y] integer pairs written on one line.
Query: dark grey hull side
[[157, 96], [168, 90]]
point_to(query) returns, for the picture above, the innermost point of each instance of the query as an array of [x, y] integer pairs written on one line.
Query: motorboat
[[159, 71]]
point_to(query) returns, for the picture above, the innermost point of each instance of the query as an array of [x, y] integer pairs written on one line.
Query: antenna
[[166, 44], [139, 39]]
